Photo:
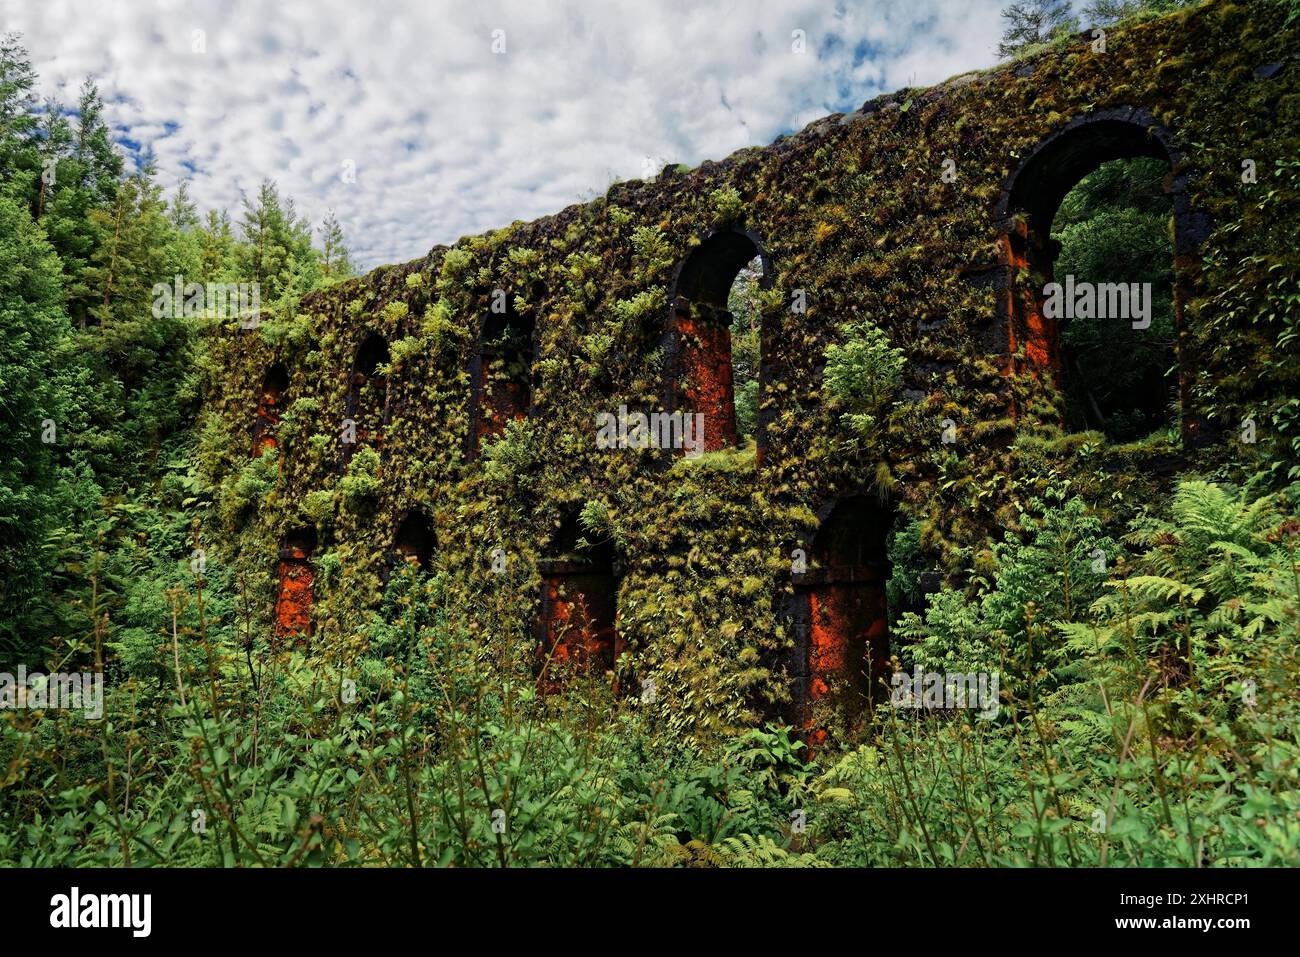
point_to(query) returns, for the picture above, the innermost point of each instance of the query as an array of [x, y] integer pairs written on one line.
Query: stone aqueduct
[[851, 214]]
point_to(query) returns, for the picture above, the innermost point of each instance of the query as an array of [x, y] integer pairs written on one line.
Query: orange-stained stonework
[[577, 623], [705, 379], [847, 647], [269, 409], [504, 401], [1025, 305], [294, 600], [268, 417], [840, 614], [848, 636], [500, 374]]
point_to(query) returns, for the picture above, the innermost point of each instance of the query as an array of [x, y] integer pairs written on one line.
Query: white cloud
[[448, 138]]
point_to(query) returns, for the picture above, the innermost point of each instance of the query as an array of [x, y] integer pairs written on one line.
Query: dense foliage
[[1115, 226], [1153, 721], [1144, 619]]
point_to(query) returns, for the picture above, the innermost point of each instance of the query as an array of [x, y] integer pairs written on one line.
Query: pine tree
[[1030, 23], [88, 168], [217, 253], [32, 326], [129, 260], [17, 112], [54, 146], [140, 354], [181, 211], [277, 253], [335, 262], [184, 246], [101, 164]]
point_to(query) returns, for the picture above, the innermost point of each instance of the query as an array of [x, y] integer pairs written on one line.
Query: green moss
[[854, 215]]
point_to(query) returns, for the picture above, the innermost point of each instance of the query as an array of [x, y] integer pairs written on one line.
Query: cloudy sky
[[421, 122]]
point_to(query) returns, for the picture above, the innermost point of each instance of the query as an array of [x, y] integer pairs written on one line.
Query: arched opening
[[576, 625], [295, 576], [1114, 227], [1095, 289], [367, 400], [501, 372], [270, 408], [746, 345], [840, 609], [721, 275], [413, 541]]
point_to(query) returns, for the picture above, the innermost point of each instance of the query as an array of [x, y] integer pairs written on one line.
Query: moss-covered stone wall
[[855, 220]]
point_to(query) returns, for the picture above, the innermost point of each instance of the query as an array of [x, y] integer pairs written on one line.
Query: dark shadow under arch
[[413, 541], [367, 398], [839, 609], [501, 369], [270, 408], [577, 618]]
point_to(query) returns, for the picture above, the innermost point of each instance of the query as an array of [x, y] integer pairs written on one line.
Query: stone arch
[[839, 608], [295, 578], [270, 408], [414, 540], [577, 619], [697, 340], [367, 399], [500, 370], [1030, 199]]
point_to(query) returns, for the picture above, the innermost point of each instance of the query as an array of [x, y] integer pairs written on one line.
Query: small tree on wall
[[1031, 23]]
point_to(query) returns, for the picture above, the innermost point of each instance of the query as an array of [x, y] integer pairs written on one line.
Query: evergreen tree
[[32, 326], [101, 164], [1031, 23], [335, 262], [86, 178], [181, 211], [218, 259], [140, 352], [17, 114], [53, 147], [277, 252], [185, 243]]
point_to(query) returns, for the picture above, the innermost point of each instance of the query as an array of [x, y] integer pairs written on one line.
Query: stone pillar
[[268, 419], [844, 623], [501, 401], [704, 376], [293, 603]]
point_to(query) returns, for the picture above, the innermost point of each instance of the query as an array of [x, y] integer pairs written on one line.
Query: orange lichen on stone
[[504, 401], [578, 621], [1025, 306], [268, 418], [294, 601], [706, 378], [848, 644], [848, 638], [269, 409]]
